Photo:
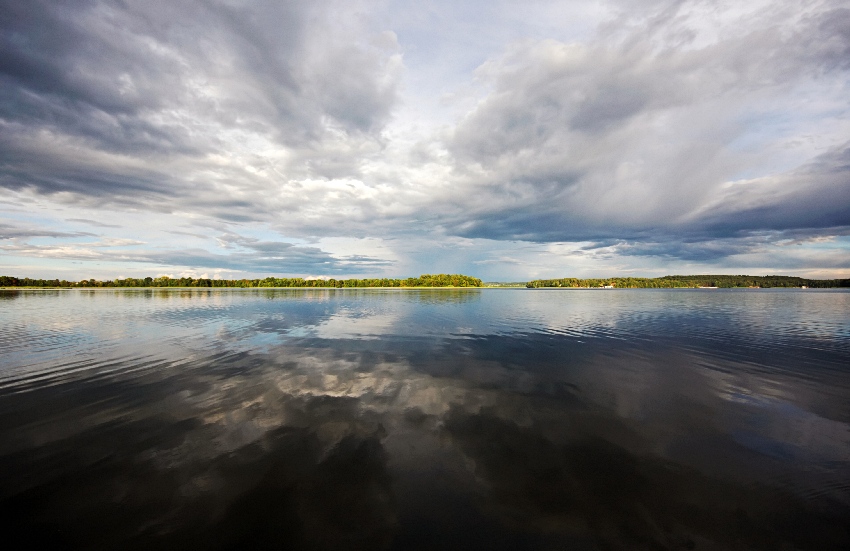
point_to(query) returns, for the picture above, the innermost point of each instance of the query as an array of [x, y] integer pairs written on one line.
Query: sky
[[504, 140]]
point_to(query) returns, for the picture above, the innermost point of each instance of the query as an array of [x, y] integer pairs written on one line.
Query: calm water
[[448, 419]]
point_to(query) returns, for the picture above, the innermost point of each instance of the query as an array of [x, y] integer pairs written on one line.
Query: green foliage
[[425, 280], [677, 281], [440, 280], [9, 281]]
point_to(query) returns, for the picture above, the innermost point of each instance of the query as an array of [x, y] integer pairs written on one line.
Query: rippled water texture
[[445, 419]]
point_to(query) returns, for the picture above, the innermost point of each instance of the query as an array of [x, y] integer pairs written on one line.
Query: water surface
[[426, 419]]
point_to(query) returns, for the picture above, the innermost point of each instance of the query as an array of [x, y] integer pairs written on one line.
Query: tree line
[[440, 280], [424, 280], [693, 281]]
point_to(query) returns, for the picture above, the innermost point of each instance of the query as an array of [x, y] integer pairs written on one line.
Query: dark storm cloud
[[68, 62], [244, 254], [18, 231], [110, 100], [49, 167], [92, 222], [634, 136], [815, 198], [278, 258], [80, 69], [817, 195], [700, 249], [525, 224]]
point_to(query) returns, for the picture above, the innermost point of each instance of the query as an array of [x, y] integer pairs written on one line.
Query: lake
[[425, 419]]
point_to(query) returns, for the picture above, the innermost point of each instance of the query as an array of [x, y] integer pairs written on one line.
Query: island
[[690, 281], [424, 280]]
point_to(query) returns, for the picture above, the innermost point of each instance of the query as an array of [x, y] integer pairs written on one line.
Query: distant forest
[[425, 280], [441, 280], [677, 281]]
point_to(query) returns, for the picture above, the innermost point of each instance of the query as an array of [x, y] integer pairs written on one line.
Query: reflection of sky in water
[[376, 418]]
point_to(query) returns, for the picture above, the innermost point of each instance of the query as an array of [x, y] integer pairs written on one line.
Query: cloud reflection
[[417, 439]]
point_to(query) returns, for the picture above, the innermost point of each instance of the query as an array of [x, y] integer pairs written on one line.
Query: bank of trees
[[677, 281], [439, 280], [424, 280], [9, 281]]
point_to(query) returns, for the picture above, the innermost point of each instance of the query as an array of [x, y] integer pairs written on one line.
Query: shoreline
[[21, 288]]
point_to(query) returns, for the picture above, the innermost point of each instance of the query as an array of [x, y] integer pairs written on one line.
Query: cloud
[[499, 261], [26, 231], [641, 132], [159, 103], [92, 222], [669, 130], [816, 195], [247, 254]]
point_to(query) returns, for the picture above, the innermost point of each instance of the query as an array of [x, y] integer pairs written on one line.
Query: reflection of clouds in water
[[672, 400], [259, 398], [783, 429], [589, 490], [345, 324], [327, 443], [640, 407], [207, 454], [774, 416], [239, 434], [88, 329]]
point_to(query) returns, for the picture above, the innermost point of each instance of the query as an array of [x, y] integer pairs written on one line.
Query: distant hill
[[677, 281]]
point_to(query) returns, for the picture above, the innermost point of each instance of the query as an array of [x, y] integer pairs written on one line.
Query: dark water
[[466, 419]]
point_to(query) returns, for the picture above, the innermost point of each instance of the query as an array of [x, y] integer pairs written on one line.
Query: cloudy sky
[[505, 140]]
